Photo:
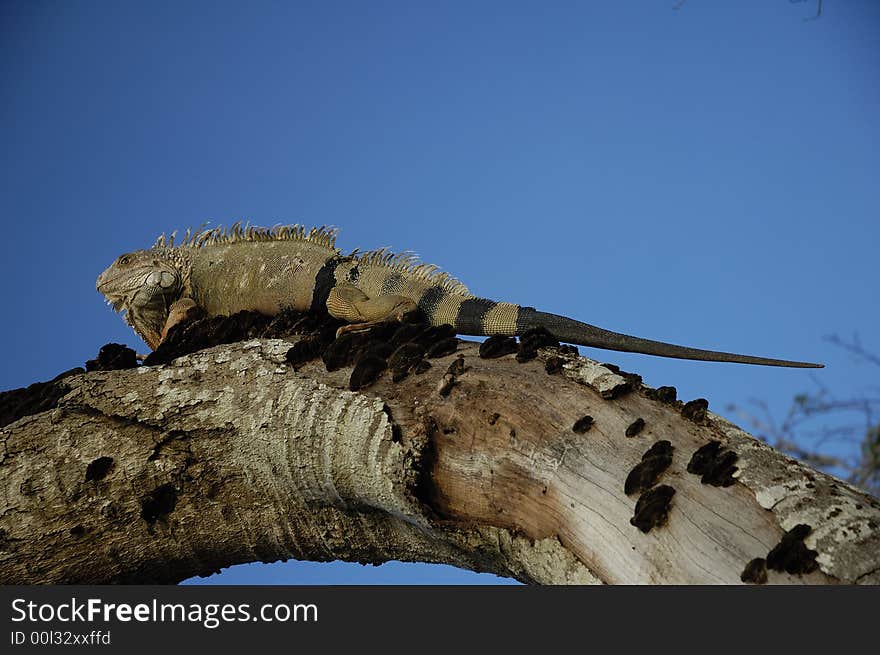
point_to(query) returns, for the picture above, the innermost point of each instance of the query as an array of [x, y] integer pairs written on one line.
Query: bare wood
[[228, 456]]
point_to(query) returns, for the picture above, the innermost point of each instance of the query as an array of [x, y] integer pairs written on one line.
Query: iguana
[[222, 271]]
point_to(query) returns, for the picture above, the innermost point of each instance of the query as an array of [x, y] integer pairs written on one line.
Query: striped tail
[[479, 316]]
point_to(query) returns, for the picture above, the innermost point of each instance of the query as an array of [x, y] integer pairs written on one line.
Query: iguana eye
[[124, 260]]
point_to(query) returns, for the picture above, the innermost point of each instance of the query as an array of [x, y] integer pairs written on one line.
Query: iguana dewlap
[[220, 272]]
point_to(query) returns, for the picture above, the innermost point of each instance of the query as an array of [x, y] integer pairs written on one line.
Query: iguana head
[[143, 284]]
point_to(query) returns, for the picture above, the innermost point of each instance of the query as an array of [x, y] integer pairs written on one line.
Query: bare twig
[[855, 347]]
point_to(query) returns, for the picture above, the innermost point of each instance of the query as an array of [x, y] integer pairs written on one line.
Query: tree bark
[[229, 455]]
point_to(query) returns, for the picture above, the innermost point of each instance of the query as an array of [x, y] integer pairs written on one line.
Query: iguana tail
[[488, 317]]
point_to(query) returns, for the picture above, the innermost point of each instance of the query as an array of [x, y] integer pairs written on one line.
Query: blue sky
[[707, 176]]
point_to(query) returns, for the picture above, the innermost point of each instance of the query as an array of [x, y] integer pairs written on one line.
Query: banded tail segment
[[571, 331], [482, 317]]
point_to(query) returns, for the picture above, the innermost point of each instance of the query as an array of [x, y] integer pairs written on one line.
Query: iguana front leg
[[348, 303], [182, 310]]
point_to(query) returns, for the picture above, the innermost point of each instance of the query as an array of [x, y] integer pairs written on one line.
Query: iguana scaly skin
[[220, 272]]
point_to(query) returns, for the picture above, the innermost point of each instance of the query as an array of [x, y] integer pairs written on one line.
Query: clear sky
[[708, 175]]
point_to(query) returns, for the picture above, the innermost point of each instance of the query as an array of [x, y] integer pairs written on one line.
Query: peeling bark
[[229, 455]]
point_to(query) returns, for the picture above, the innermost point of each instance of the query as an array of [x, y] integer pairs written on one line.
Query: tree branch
[[228, 455]]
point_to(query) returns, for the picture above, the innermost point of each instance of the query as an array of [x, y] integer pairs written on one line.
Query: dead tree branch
[[554, 470]]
